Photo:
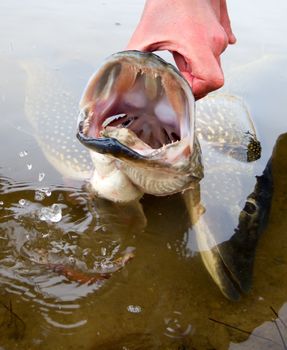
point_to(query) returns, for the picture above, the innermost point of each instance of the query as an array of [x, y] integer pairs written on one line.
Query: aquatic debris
[[12, 326], [52, 213], [277, 326], [77, 276], [271, 339], [81, 277], [29, 166], [234, 327]]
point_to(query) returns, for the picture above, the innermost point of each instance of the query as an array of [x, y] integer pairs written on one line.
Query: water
[[163, 298], [53, 213]]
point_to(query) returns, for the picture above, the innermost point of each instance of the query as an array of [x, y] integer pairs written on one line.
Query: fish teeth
[[126, 79], [113, 118], [86, 127], [151, 86], [174, 94]]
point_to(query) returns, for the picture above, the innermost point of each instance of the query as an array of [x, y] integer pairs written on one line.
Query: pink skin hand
[[196, 32]]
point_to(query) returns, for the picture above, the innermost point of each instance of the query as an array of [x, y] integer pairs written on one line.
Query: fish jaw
[[138, 112], [111, 183]]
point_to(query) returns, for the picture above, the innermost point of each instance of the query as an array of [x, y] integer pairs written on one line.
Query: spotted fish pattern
[[52, 110]]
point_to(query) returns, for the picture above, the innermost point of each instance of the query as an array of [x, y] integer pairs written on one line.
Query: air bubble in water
[[23, 154], [135, 309], [41, 177], [41, 193], [52, 214], [46, 190], [176, 326], [72, 259], [39, 196]]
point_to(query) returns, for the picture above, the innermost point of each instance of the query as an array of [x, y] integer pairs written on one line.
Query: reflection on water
[[163, 298]]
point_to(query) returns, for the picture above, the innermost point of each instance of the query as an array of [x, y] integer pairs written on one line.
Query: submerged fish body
[[138, 120], [52, 110], [230, 206]]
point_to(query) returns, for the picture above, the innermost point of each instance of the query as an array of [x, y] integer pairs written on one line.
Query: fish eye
[[250, 208]]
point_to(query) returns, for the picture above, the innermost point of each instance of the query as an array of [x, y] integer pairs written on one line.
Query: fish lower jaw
[[111, 183]]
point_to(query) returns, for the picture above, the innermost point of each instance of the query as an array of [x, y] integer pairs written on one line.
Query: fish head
[[137, 111]]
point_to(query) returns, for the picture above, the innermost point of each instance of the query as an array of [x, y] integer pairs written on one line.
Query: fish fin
[[224, 121]]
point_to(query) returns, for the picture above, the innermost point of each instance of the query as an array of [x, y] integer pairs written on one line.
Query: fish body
[[52, 110], [230, 206], [145, 134]]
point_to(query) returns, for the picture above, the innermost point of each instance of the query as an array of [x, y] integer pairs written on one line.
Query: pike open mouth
[[141, 93]]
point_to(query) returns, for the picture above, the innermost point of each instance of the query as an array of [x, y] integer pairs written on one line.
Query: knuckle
[[220, 41], [217, 82]]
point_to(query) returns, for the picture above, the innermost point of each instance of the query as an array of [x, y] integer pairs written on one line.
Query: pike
[[146, 134]]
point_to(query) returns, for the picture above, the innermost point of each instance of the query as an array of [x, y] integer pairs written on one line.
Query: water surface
[[163, 298]]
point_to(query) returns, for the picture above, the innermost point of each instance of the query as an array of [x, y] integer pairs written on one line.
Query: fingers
[[225, 22], [196, 48], [203, 72]]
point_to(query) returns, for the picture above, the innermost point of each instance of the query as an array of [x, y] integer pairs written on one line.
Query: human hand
[[196, 32]]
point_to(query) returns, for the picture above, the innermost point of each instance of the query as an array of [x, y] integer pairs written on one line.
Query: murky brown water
[[163, 298]]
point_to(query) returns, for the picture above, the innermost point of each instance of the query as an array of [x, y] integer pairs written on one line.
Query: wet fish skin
[[230, 263], [227, 232], [51, 108], [239, 252]]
